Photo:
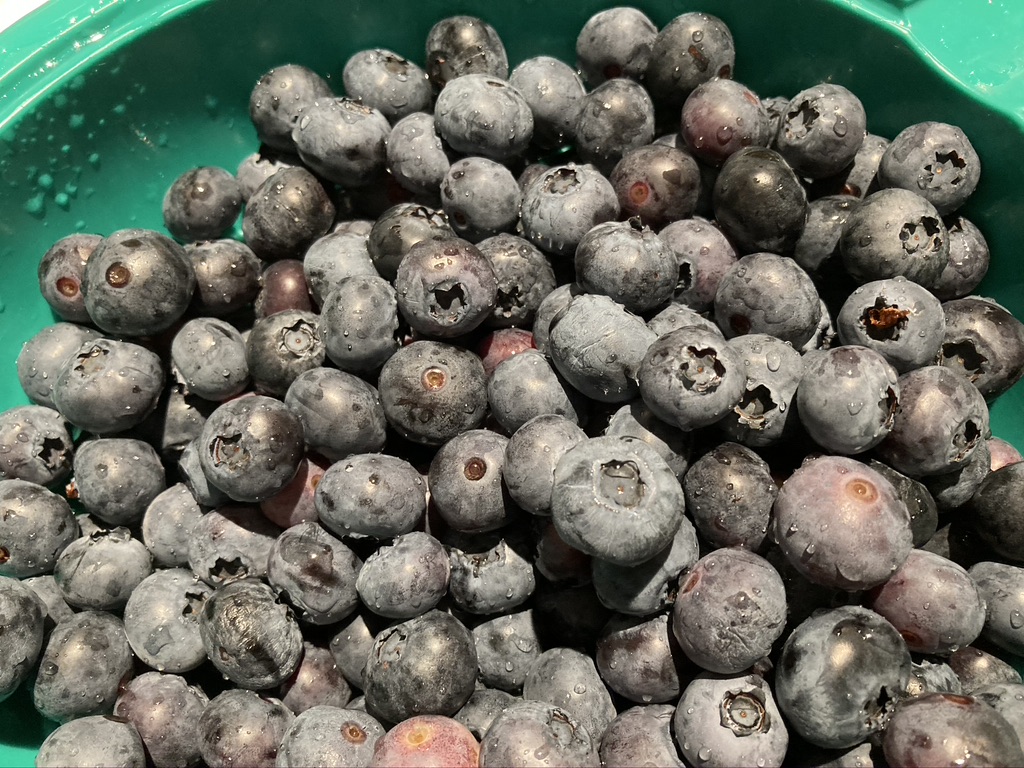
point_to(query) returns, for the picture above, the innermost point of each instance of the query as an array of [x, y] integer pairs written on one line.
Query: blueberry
[[895, 317], [161, 620], [466, 482], [561, 205], [209, 356], [968, 263], [340, 413], [137, 283], [284, 287], [940, 420], [691, 378], [279, 97], [99, 572], [817, 248], [334, 257], [952, 490], [445, 288], [616, 499], [935, 160], [548, 310], [656, 183], [723, 721], [42, 356], [554, 92], [675, 316], [231, 543], [719, 117], [730, 493], [426, 665], [286, 213], [190, 469], [569, 680], [415, 155], [483, 707], [821, 130], [250, 448], [977, 668], [371, 495], [361, 308], [598, 346], [506, 648], [860, 177], [259, 166], [999, 586], [432, 391], [93, 740], [22, 616], [480, 114], [985, 342], [641, 735], [317, 682], [994, 512], [636, 420], [614, 43], [691, 49], [764, 415], [895, 232], [929, 677], [924, 515], [615, 117], [524, 276], [821, 700], [401, 227], [480, 197], [387, 82], [51, 602], [328, 735], [489, 577], [525, 386], [60, 275], [227, 276], [242, 728], [83, 664], [405, 578], [165, 710], [36, 525], [639, 659], [759, 202], [35, 444], [535, 733], [342, 140], [202, 204], [463, 45], [531, 455]]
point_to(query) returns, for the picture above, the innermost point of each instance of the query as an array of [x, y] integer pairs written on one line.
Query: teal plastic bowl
[[103, 104]]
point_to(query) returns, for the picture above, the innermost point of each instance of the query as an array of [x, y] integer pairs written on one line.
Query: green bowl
[[105, 103]]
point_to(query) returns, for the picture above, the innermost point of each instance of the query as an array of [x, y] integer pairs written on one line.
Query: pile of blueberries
[[598, 415]]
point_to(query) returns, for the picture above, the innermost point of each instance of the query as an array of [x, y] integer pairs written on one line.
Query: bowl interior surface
[[108, 103]]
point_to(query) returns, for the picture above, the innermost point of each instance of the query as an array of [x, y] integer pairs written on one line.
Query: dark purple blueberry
[[161, 620], [314, 573], [359, 323], [726, 721], [616, 499], [317, 682], [821, 130], [93, 740], [279, 97], [43, 355], [328, 735], [463, 45], [286, 214], [84, 662], [445, 288], [729, 494], [628, 262], [480, 197], [841, 524], [691, 49], [283, 287], [481, 114], [60, 275], [720, 117], [821, 699], [165, 710], [895, 317], [231, 543], [524, 278], [490, 577], [137, 283], [950, 729], [895, 232], [994, 512], [250, 447], [35, 445], [569, 680], [532, 734], [656, 183], [371, 495], [99, 572], [639, 659], [21, 615], [202, 204], [36, 525], [934, 160], [426, 665], [227, 276], [282, 346], [939, 422], [598, 346], [398, 229], [342, 140], [466, 484], [691, 378], [387, 82], [985, 342], [641, 736], [405, 578], [506, 648], [933, 603], [704, 255], [977, 668], [561, 205], [242, 728], [340, 413], [968, 263], [615, 117], [554, 92], [759, 202]]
